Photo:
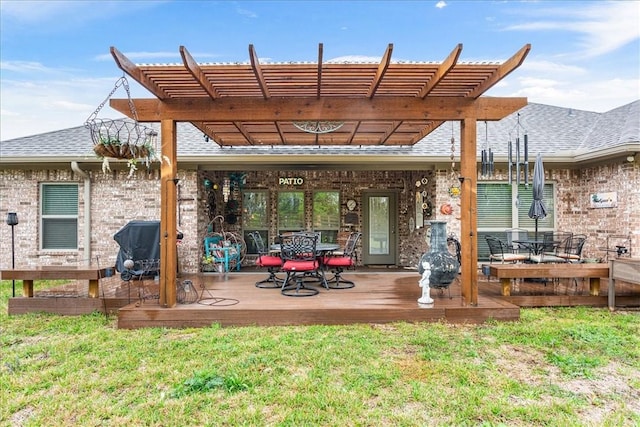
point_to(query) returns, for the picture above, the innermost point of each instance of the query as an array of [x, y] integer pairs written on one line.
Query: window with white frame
[[502, 206], [59, 216]]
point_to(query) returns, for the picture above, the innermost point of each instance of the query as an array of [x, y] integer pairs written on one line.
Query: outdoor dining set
[[547, 247], [305, 263]]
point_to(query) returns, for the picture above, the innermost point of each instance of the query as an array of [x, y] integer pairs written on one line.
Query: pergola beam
[[503, 70], [132, 69], [319, 78], [257, 71], [336, 108], [382, 68], [197, 73], [443, 70]]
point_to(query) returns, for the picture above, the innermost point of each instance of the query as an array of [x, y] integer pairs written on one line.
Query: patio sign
[[604, 200], [290, 181]]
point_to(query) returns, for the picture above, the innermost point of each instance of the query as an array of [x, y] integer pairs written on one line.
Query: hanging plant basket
[[124, 139]]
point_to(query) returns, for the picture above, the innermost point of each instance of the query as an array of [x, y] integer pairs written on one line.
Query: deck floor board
[[380, 296]]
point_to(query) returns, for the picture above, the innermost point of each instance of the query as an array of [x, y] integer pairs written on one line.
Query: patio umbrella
[[538, 209]]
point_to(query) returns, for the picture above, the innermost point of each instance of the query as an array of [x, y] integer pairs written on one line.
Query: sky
[[56, 69]]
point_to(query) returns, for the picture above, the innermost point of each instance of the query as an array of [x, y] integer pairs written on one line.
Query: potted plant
[[208, 263]]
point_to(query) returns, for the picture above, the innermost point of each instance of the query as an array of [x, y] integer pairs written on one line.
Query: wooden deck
[[380, 296]]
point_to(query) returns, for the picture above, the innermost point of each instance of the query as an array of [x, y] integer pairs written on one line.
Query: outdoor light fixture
[[631, 158], [12, 220], [519, 161], [318, 126]]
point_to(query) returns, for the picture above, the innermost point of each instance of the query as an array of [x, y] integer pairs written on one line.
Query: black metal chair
[[301, 264], [501, 251], [338, 263], [272, 263], [573, 248]]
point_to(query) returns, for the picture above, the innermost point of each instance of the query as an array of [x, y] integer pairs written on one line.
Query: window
[[502, 206], [326, 215], [290, 211], [59, 216], [255, 208]]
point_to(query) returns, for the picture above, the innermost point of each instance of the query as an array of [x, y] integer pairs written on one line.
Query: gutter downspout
[[87, 211]]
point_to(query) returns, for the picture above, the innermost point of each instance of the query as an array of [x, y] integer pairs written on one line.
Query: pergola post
[[469, 212], [168, 217]]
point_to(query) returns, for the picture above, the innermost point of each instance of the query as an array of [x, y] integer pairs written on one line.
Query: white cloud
[[602, 27], [441, 4], [246, 12], [30, 108], [544, 66]]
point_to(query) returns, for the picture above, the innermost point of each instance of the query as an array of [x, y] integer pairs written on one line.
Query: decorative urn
[[444, 265]]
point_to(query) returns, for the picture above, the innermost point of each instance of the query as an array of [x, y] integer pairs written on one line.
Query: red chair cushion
[[269, 261], [300, 265], [341, 261]]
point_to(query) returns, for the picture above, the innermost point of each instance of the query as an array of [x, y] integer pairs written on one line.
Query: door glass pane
[[326, 214], [254, 217], [290, 211], [378, 225], [254, 210]]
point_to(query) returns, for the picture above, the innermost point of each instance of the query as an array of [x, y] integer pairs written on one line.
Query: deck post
[[168, 217], [468, 212]]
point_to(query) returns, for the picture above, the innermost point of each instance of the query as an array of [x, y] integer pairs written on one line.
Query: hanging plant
[[124, 139]]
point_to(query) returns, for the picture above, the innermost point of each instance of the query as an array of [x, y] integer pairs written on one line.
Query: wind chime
[[520, 161], [487, 154], [455, 189]]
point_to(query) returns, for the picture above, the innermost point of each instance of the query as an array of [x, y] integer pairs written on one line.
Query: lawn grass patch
[[555, 366]]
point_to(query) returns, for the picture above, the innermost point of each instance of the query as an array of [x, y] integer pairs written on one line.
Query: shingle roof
[[556, 132]]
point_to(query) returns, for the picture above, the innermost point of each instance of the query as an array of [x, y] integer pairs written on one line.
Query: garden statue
[[424, 284]]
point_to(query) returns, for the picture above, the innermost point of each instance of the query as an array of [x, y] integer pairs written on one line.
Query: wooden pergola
[[385, 103]]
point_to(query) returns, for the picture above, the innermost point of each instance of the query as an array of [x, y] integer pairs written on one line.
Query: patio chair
[[301, 264], [501, 251], [572, 251], [340, 262], [271, 262]]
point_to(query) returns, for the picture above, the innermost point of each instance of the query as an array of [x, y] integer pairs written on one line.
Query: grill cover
[[138, 240]]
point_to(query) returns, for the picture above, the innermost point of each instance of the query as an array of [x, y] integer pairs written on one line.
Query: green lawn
[[565, 367]]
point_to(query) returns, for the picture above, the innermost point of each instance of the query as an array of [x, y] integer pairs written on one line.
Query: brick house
[[69, 208]]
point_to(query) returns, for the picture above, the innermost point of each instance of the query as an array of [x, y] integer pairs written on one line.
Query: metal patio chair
[[301, 264], [339, 263], [272, 263]]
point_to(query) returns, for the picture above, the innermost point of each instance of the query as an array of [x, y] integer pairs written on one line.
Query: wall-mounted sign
[[290, 181], [604, 200]]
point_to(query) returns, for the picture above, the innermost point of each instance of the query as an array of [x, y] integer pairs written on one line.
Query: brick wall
[[117, 200]]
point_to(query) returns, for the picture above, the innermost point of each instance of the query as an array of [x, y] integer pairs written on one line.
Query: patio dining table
[[536, 246], [322, 250]]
